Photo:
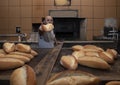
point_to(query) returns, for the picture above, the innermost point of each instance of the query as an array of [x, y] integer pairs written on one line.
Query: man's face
[[49, 19]]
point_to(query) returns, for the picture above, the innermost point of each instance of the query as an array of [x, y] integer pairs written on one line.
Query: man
[[47, 38]]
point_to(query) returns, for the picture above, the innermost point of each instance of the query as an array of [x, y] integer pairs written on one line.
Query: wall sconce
[[62, 2]]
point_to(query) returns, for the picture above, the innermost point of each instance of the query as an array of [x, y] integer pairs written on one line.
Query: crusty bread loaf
[[24, 75], [20, 57], [29, 55], [2, 51], [73, 78], [23, 47], [77, 47], [93, 47], [69, 62], [113, 83], [94, 62], [113, 52], [78, 54], [107, 57], [33, 52], [8, 47], [47, 27], [10, 63], [92, 54]]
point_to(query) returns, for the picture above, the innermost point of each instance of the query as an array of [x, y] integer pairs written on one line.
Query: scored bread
[[73, 78], [10, 63], [69, 62], [47, 27], [23, 47], [113, 83], [8, 47], [24, 75], [94, 62], [78, 54], [107, 57]]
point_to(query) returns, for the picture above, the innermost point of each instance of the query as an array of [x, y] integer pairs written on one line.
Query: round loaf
[[8, 47], [24, 75]]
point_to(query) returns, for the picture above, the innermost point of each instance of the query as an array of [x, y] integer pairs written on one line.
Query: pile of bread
[[90, 56], [15, 55]]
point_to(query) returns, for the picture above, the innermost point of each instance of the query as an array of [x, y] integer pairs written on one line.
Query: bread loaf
[[34, 53], [94, 62], [23, 48], [107, 57], [29, 55], [73, 78], [24, 75], [69, 62], [113, 52], [10, 63], [77, 47], [20, 57], [78, 54], [47, 27], [93, 47], [113, 83], [9, 47]]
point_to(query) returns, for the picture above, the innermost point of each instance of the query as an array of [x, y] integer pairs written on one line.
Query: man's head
[[48, 19]]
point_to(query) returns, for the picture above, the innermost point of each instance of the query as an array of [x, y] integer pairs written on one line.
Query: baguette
[[24, 75], [8, 47], [10, 63], [23, 48], [73, 78], [30, 56], [2, 51], [94, 62], [69, 62], [113, 83], [20, 57]]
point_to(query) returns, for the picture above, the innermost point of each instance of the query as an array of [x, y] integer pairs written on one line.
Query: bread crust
[[73, 78], [77, 47]]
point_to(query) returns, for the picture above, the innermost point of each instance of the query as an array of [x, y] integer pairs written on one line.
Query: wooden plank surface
[[44, 68]]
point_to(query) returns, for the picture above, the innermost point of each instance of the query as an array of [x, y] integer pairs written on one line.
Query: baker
[[46, 34]]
